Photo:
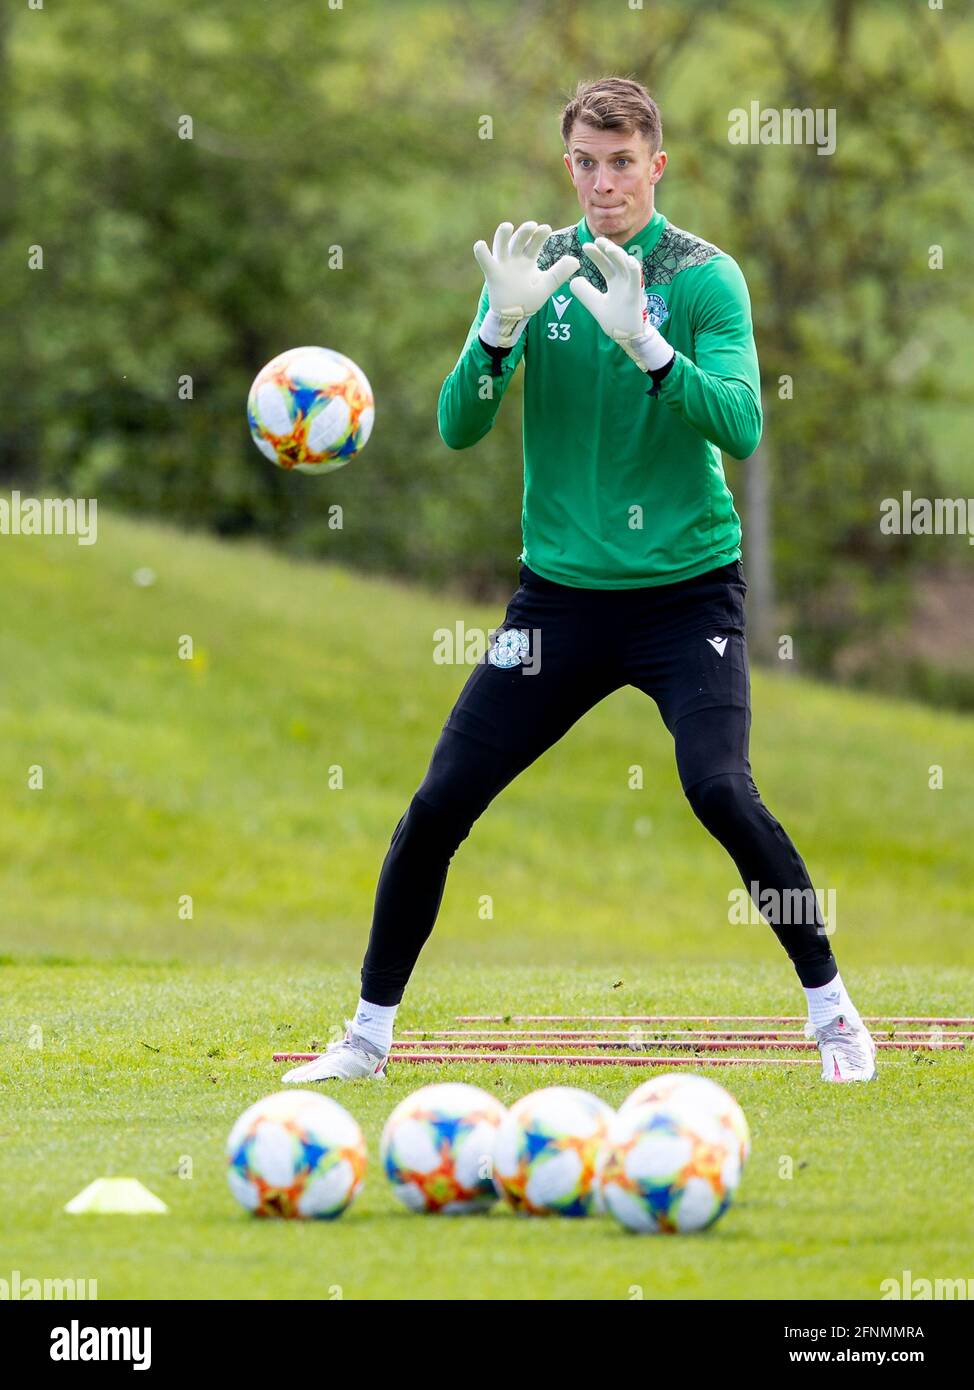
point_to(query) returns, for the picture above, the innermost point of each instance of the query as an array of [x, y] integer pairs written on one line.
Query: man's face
[[614, 174]]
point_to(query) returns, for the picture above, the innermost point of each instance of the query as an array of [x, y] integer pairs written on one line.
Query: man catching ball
[[640, 368]]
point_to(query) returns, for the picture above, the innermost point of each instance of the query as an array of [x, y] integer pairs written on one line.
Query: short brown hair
[[614, 103]]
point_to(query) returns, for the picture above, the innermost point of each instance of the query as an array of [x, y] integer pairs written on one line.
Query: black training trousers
[[559, 651]]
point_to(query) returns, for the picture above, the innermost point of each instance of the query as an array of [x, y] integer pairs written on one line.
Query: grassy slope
[[163, 778]]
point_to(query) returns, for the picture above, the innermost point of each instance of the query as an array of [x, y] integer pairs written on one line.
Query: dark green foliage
[[359, 128]]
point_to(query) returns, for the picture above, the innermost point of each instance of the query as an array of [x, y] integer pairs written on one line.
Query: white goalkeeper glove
[[515, 286], [621, 311]]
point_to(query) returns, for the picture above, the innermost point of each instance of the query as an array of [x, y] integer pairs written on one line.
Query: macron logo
[[561, 303], [718, 644]]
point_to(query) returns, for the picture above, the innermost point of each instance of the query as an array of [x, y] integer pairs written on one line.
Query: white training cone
[[106, 1195]]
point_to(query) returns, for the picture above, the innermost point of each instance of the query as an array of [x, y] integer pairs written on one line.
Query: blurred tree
[[846, 303], [341, 164]]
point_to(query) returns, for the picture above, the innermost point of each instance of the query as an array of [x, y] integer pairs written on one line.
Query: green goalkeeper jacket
[[623, 482]]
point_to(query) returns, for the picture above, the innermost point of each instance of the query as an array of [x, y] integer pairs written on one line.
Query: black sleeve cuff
[[496, 355], [659, 376]]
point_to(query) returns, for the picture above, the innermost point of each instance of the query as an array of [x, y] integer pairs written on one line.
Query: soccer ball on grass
[[668, 1166], [296, 1154], [546, 1152], [437, 1149]]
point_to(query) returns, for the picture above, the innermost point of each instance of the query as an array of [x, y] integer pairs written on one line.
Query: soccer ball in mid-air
[[296, 1153], [546, 1151], [668, 1166], [703, 1092], [438, 1149], [310, 409]]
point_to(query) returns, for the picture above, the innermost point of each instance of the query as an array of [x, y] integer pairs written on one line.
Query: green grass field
[[131, 1036]]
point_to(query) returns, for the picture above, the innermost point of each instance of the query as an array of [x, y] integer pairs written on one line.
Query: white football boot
[[352, 1059], [848, 1052]]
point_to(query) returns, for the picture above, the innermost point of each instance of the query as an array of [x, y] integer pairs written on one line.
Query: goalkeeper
[[640, 367]]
